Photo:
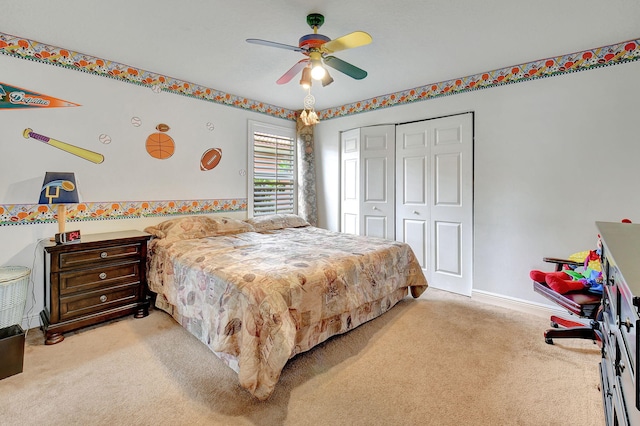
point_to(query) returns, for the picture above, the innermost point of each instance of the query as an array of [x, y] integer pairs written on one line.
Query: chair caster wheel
[[548, 340]]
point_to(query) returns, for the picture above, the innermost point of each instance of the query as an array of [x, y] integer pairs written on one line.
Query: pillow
[[183, 228], [191, 227], [276, 221], [227, 225]]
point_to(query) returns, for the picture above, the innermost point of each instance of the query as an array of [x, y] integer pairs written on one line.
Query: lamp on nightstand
[[59, 188]]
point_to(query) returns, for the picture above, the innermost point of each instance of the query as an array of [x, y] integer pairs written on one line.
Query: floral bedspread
[[259, 298]]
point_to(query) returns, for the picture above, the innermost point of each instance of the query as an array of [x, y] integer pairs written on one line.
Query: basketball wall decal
[[210, 159], [160, 146]]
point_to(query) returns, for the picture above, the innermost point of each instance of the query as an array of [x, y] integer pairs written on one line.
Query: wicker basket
[[14, 281]]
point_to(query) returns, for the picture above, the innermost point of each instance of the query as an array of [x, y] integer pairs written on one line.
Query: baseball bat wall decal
[[94, 157]]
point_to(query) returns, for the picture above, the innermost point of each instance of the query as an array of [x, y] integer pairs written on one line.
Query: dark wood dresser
[[620, 321], [100, 278]]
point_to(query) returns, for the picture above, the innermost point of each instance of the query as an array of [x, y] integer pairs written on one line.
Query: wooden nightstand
[[100, 278]]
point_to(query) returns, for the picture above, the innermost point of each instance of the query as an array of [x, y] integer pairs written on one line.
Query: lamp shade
[[305, 81], [59, 188], [327, 79]]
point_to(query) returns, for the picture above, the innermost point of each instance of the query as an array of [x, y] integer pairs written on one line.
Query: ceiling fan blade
[[274, 44], [287, 76], [345, 67], [349, 41]]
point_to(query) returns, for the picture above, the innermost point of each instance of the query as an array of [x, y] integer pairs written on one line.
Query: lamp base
[[63, 237], [62, 217]]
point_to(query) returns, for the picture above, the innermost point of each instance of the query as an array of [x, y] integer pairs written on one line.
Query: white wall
[[128, 173], [552, 156]]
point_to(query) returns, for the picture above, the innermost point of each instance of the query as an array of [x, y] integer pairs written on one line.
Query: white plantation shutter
[[273, 174]]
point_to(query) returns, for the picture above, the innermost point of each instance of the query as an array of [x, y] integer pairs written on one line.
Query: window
[[272, 171]]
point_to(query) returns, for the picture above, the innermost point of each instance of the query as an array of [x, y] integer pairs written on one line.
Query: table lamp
[[59, 188]]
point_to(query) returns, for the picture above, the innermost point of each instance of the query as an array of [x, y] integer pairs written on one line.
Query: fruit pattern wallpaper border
[[627, 51], [24, 214], [613, 54], [40, 52]]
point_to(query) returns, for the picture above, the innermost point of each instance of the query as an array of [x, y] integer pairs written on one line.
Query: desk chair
[[581, 303]]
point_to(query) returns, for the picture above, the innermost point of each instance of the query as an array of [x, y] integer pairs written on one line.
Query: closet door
[[434, 192], [377, 184], [350, 181], [368, 181], [412, 182]]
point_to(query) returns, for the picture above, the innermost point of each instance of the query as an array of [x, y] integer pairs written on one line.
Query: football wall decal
[[210, 158]]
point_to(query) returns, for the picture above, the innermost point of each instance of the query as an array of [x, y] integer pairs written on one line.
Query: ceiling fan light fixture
[[327, 79], [316, 46], [305, 81], [317, 70]]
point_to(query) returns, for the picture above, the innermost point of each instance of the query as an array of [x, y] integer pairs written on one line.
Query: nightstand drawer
[[105, 254], [97, 301], [90, 279]]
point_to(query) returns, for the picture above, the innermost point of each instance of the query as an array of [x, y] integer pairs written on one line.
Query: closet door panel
[[350, 181], [377, 160], [413, 232], [375, 226], [412, 185]]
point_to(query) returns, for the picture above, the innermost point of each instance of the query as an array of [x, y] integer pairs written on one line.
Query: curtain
[[307, 201]]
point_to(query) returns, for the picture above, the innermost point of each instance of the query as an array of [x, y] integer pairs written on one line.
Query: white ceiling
[[415, 42]]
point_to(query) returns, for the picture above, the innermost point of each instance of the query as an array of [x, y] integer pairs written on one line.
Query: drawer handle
[[102, 275], [103, 298], [104, 254]]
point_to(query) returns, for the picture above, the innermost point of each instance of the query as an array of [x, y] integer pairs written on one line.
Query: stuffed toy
[[586, 277]]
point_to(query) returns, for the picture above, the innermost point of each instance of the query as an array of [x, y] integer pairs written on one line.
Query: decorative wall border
[[40, 52], [614, 54], [25, 214]]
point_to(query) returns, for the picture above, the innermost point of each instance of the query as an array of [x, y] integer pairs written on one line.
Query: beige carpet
[[444, 360]]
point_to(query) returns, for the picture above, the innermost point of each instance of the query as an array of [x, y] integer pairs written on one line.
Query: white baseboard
[[524, 306]]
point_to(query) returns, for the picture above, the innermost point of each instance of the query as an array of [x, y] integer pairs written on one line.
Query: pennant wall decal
[[15, 97]]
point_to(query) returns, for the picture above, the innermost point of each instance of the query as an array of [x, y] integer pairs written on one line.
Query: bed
[[259, 291]]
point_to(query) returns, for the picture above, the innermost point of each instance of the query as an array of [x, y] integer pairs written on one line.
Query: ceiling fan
[[317, 48]]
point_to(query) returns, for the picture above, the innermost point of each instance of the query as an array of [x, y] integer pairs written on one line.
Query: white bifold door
[[368, 181], [434, 198]]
